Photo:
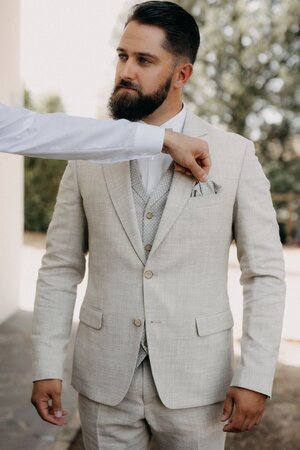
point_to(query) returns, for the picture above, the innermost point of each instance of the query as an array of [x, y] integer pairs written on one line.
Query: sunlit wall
[[11, 167]]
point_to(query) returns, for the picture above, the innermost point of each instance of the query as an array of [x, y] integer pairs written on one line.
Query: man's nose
[[127, 71]]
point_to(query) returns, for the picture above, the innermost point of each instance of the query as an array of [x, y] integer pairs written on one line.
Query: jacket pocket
[[205, 200], [214, 323], [90, 316]]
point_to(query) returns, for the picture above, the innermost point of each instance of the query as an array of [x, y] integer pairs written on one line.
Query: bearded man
[[153, 361]]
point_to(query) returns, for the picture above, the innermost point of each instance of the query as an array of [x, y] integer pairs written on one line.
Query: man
[[153, 352], [58, 136]]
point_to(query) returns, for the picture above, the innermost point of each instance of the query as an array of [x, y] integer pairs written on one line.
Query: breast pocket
[[205, 215], [202, 201]]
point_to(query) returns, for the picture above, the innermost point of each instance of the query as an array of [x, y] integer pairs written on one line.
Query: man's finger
[[227, 408], [258, 418], [42, 408], [64, 412], [179, 168], [249, 423], [252, 420], [236, 424], [197, 171], [204, 162], [56, 404]]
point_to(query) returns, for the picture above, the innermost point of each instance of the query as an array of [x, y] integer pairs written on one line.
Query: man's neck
[[164, 113]]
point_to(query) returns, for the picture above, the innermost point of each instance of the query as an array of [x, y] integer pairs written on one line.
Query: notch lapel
[[182, 184], [117, 177]]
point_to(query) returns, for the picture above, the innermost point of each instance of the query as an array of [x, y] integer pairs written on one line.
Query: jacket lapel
[[118, 182], [182, 184]]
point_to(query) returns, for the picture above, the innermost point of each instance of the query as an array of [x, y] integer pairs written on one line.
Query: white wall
[[11, 167]]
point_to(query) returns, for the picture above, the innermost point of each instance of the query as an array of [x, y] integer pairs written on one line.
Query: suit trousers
[[141, 421]]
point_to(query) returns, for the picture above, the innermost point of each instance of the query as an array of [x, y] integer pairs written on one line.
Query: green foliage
[[42, 176], [247, 77]]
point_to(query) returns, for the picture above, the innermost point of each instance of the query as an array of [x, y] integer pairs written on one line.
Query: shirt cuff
[[149, 139]]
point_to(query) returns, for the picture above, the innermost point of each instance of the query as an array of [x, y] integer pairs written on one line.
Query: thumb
[[56, 404], [197, 171], [227, 408]]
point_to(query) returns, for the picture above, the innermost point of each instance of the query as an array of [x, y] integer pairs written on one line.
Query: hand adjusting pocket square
[[202, 189]]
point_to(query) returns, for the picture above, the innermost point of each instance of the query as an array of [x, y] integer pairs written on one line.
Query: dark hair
[[182, 33]]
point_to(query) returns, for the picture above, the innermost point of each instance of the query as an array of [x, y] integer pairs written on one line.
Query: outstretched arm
[[59, 136]]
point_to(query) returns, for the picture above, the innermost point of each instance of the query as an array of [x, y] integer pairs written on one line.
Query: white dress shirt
[[152, 169], [59, 136]]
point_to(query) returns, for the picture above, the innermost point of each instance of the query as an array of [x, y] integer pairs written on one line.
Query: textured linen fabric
[[142, 422], [59, 136], [183, 281], [152, 177], [153, 205]]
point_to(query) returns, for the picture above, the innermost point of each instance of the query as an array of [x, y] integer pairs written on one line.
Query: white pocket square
[[205, 188]]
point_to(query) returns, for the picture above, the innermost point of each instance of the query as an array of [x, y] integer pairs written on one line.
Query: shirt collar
[[176, 122]]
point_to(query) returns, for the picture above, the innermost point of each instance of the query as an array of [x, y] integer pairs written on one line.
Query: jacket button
[[149, 215], [148, 274], [137, 322], [148, 247]]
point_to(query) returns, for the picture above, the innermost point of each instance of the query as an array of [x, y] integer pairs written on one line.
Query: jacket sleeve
[[63, 268], [260, 256], [59, 136]]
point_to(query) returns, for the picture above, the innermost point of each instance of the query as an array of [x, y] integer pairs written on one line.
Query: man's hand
[[190, 154], [46, 398], [244, 408]]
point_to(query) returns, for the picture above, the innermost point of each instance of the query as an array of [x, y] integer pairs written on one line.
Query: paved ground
[[20, 426]]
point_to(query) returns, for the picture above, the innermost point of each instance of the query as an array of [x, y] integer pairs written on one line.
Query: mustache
[[127, 84]]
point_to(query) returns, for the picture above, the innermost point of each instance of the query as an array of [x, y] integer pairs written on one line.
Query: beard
[[136, 106]]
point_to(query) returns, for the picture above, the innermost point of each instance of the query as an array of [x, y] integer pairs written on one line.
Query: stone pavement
[[20, 426], [22, 429]]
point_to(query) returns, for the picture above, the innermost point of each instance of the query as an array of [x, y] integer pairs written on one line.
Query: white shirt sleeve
[[59, 136]]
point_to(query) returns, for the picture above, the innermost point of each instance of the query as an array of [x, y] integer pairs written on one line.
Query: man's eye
[[144, 61], [122, 57]]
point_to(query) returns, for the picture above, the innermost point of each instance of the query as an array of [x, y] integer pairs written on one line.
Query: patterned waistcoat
[[149, 210]]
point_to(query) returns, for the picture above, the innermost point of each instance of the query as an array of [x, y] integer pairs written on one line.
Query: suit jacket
[[180, 290]]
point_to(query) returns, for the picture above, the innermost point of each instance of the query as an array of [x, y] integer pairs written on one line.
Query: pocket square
[[205, 188]]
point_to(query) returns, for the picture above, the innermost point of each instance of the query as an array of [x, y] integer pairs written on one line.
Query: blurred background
[[60, 56]]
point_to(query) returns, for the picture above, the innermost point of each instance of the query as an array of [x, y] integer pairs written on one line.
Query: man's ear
[[182, 75]]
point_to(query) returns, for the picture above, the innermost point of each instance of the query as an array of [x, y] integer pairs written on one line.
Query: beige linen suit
[[180, 290]]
